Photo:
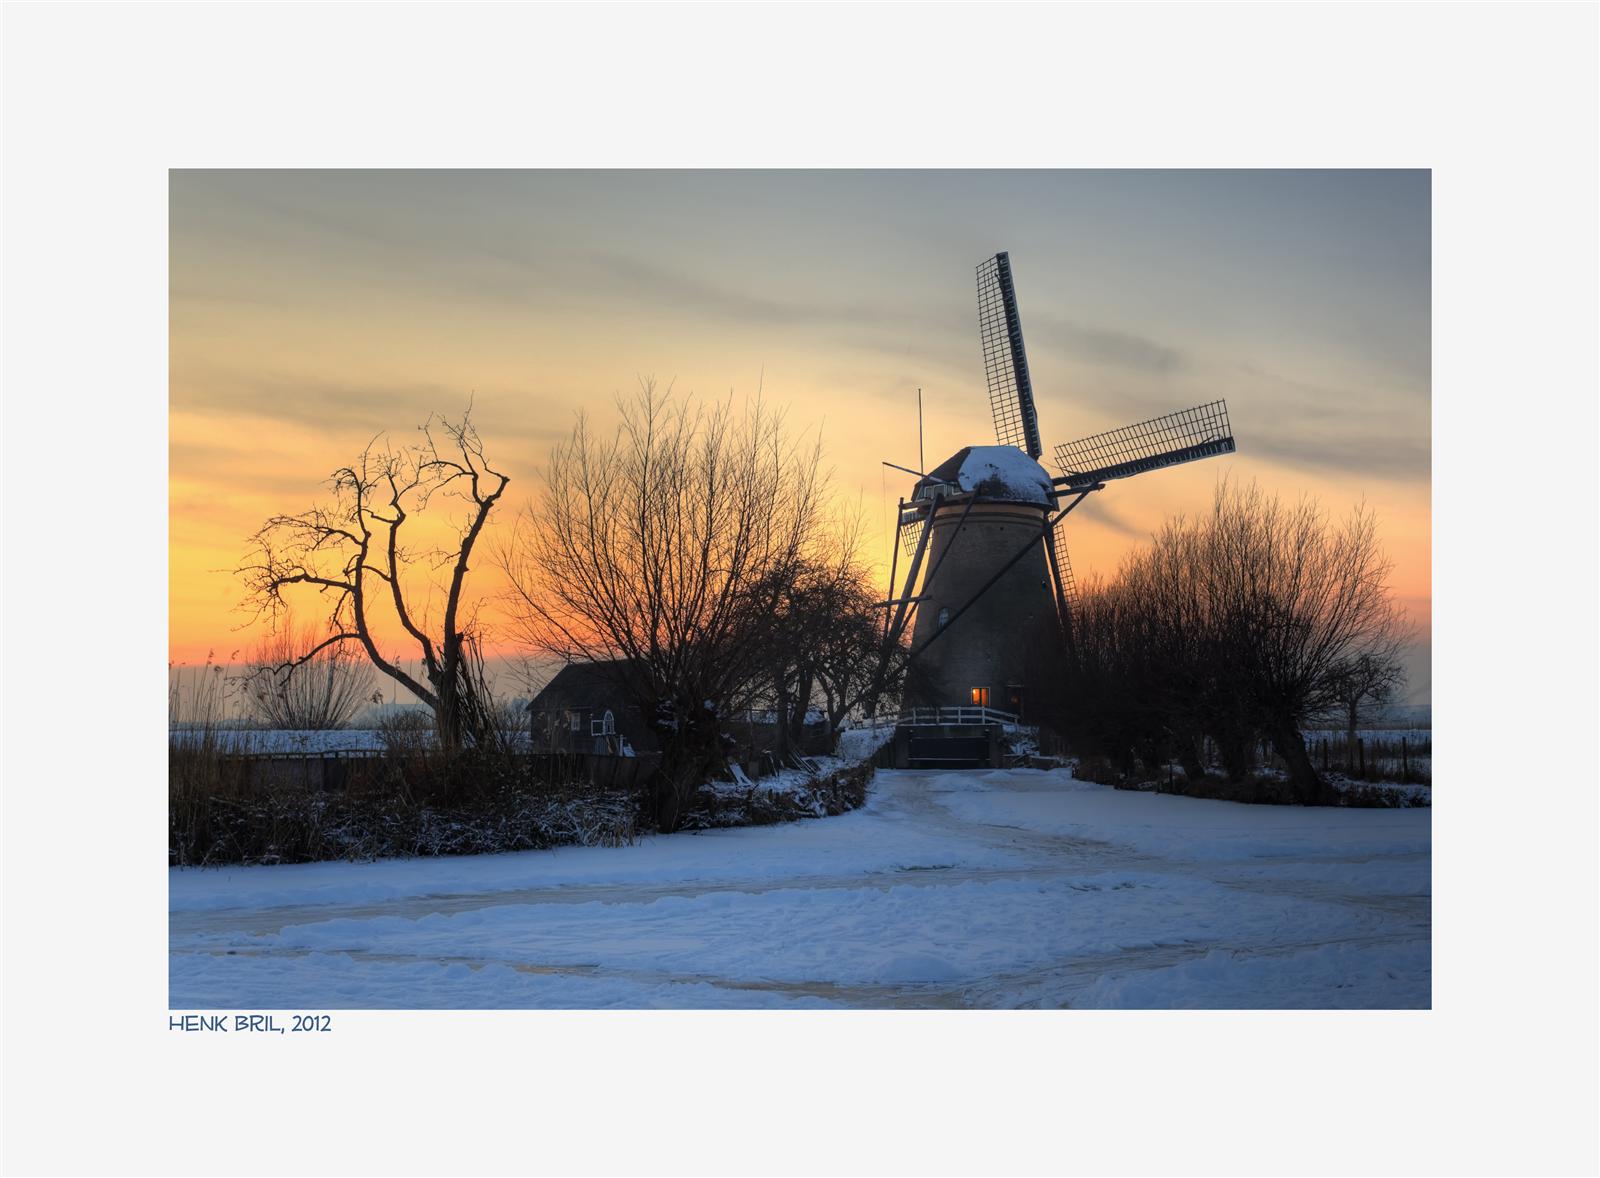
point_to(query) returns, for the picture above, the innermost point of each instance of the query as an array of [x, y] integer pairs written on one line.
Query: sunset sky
[[310, 310]]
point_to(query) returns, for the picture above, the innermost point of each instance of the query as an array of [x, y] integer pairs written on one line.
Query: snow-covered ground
[[992, 888]]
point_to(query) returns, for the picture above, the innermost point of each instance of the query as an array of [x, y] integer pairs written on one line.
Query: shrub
[[293, 680]]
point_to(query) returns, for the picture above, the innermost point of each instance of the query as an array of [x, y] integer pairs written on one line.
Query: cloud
[[1095, 511], [215, 467], [1373, 431], [310, 401], [888, 330], [1329, 398], [1105, 347], [328, 405], [1353, 451], [680, 289]]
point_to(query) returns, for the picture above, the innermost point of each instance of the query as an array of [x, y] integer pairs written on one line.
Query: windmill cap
[[993, 472]]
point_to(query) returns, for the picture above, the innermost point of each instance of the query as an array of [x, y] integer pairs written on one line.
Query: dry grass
[[412, 799], [226, 808]]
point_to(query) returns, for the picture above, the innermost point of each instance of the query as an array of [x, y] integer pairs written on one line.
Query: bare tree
[[668, 547], [849, 648], [825, 642], [1298, 599], [349, 552], [1246, 621], [787, 680], [1123, 697], [1374, 676], [287, 687]]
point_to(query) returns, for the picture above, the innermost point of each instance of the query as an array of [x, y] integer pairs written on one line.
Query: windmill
[[982, 531]]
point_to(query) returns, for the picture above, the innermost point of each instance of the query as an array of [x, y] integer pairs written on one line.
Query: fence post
[[1405, 761], [1361, 751]]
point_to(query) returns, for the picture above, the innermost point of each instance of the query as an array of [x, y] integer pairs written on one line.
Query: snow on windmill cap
[[994, 472]]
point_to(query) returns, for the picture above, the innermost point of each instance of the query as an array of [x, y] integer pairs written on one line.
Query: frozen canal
[[1014, 888]]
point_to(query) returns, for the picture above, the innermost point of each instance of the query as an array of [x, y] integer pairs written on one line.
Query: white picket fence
[[932, 717]]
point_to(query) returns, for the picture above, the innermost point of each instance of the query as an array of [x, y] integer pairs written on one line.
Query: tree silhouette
[[350, 554]]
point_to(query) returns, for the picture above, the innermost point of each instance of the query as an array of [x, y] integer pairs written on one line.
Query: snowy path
[[1006, 888]]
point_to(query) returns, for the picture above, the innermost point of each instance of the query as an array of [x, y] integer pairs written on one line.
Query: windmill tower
[[988, 589]]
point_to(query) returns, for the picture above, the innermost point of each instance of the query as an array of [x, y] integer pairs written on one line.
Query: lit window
[[980, 697]]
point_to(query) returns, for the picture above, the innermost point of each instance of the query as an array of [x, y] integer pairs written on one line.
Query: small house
[[587, 709]]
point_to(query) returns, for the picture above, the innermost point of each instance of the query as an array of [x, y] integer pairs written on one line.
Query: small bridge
[[947, 738]]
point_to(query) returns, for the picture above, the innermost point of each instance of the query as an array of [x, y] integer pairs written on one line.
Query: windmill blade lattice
[[1069, 587], [1189, 434], [910, 531], [1005, 359]]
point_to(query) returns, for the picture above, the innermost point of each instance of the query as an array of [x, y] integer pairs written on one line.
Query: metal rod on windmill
[[922, 463], [984, 529]]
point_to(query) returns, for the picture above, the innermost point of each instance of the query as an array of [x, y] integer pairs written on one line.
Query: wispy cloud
[[1375, 431], [1095, 511], [680, 289], [352, 409], [1102, 346], [1351, 452]]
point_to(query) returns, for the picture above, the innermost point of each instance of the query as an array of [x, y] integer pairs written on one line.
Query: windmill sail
[[1190, 434], [1005, 361], [1066, 587], [910, 533]]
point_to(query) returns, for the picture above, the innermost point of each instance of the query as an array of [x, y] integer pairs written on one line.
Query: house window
[[980, 697], [575, 721], [944, 616], [605, 726]]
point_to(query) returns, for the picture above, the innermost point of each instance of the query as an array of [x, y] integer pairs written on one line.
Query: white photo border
[[1499, 101]]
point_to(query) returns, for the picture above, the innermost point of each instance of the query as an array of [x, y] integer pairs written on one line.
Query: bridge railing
[[931, 717]]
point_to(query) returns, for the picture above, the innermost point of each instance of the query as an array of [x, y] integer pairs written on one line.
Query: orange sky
[[311, 310]]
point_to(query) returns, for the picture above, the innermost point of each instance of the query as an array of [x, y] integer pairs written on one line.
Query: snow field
[[1002, 888]]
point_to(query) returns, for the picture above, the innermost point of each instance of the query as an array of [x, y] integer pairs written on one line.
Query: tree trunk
[[1189, 758], [691, 754], [447, 716], [780, 716], [462, 711], [1152, 755], [1305, 784], [797, 716], [836, 713], [1233, 750], [1350, 736]]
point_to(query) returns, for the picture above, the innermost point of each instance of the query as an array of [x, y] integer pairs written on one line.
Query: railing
[[930, 717], [962, 715]]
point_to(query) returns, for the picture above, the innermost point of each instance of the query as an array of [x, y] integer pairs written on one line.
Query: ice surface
[[1002, 888]]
